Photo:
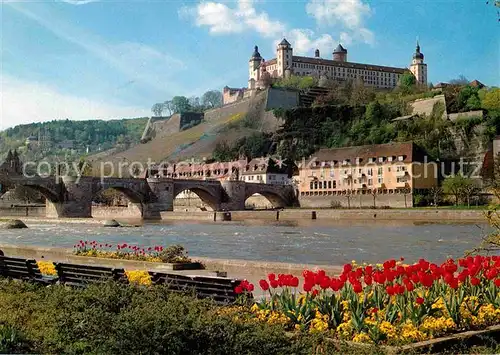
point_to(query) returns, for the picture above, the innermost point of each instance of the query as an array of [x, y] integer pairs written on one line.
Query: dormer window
[[322, 164], [345, 162], [358, 160], [400, 158], [389, 159], [371, 160], [381, 159]]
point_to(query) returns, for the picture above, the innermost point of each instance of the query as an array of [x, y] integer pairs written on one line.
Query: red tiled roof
[[365, 152], [320, 61]]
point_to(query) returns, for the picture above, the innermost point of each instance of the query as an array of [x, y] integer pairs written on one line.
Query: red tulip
[[238, 290], [264, 285], [271, 277], [374, 310], [325, 283], [347, 268], [274, 283], [419, 300], [250, 288], [474, 281], [307, 287], [315, 293], [368, 280], [357, 287], [497, 282], [390, 290], [294, 282]]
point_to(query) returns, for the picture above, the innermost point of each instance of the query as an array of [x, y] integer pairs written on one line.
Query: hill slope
[[228, 124]]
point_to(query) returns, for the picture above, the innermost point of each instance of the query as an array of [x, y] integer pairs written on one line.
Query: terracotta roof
[[319, 61], [408, 150], [476, 83], [270, 62]]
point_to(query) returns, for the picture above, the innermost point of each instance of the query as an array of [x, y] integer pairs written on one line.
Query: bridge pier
[[235, 195], [162, 193], [76, 200]]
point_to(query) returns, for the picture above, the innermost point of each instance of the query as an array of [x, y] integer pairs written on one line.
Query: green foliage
[[95, 134], [253, 146], [490, 99], [296, 82], [468, 99], [174, 254], [12, 341], [116, 319], [407, 83], [460, 187], [180, 104], [212, 99]]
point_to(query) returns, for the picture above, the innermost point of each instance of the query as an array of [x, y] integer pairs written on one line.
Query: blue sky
[[83, 59]]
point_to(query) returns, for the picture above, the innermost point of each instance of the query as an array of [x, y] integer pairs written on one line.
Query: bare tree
[[437, 194], [168, 107], [157, 109]]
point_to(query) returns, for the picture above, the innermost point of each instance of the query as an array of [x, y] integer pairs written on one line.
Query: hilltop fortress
[[262, 73]]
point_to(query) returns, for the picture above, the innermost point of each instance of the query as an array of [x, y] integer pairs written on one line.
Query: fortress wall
[[425, 106], [279, 98]]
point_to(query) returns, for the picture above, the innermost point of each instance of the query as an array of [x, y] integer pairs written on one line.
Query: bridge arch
[[135, 202], [277, 195], [205, 195]]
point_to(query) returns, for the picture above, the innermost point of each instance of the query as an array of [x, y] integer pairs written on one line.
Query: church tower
[[284, 56], [418, 67], [253, 66]]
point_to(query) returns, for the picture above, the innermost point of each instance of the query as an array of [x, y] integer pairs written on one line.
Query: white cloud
[[304, 42], [222, 19], [25, 102], [349, 13]]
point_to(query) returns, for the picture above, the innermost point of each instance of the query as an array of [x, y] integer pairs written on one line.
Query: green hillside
[[66, 138]]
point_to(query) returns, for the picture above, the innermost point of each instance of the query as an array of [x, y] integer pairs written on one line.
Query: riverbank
[[243, 269], [426, 215]]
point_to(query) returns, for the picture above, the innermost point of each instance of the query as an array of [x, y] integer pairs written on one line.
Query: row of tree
[[180, 104]]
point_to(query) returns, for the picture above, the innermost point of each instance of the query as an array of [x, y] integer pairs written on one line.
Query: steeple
[[418, 54], [256, 54]]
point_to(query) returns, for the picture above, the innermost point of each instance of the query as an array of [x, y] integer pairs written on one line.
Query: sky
[[88, 59]]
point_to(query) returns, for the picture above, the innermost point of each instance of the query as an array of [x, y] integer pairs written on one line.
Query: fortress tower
[[284, 56], [418, 67]]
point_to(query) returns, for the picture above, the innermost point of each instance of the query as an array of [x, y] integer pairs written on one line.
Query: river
[[311, 242]]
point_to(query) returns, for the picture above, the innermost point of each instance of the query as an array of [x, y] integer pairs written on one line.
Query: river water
[[311, 242]]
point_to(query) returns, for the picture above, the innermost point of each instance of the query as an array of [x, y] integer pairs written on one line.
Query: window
[[370, 172], [330, 184], [389, 159], [381, 159], [360, 171], [380, 171], [315, 185], [400, 158], [401, 168], [380, 180], [370, 181], [311, 186], [401, 179]]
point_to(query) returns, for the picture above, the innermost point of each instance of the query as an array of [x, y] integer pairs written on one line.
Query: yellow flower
[[47, 268], [362, 338], [140, 277]]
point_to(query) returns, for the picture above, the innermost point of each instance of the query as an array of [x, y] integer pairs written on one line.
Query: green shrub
[[120, 319]]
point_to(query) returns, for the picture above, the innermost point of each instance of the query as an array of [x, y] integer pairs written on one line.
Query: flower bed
[[390, 303], [175, 254]]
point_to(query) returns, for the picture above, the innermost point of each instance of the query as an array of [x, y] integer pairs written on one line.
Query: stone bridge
[[71, 197]]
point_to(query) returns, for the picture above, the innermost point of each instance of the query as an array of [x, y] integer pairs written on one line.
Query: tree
[[157, 109], [212, 98], [490, 99], [436, 194], [459, 186], [195, 104], [180, 104], [407, 82], [167, 106], [84, 167]]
